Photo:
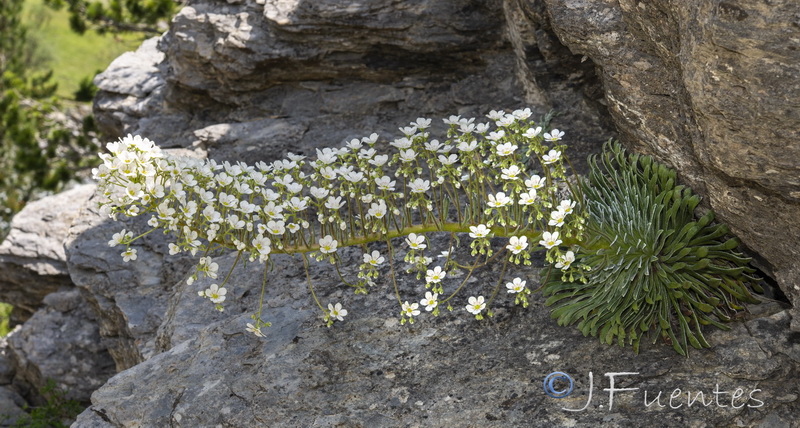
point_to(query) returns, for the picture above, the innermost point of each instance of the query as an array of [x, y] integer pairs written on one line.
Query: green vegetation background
[[71, 56]]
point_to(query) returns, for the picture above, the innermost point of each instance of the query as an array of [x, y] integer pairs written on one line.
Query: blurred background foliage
[[50, 52]]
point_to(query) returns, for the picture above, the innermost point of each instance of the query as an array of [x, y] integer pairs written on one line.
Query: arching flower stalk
[[498, 180]]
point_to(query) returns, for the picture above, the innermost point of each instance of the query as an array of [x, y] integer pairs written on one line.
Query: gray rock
[[252, 80], [445, 371], [11, 406], [61, 342], [32, 259], [335, 70], [710, 88], [129, 300]]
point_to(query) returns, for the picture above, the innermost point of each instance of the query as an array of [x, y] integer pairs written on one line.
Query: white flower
[[407, 155], [551, 157], [377, 210], [415, 241], [244, 208], [449, 160], [294, 187], [506, 149], [336, 311], [401, 143], [494, 136], [293, 227], [318, 192], [410, 309], [435, 275], [422, 123], [327, 156], [285, 180], [533, 132], [466, 127], [517, 244], [506, 120], [535, 182], [549, 240], [366, 153], [235, 222], [511, 173], [354, 144], [134, 191], [373, 259], [423, 260], [430, 301], [276, 227], [433, 146], [215, 293], [467, 147], [327, 173], [273, 211], [372, 139], [270, 195], [476, 305], [557, 218], [528, 198], [522, 114], [297, 204], [120, 238], [255, 330], [517, 285], [174, 249], [419, 185], [379, 160], [262, 245], [328, 245], [553, 135], [128, 255], [565, 261], [334, 203], [496, 115], [452, 120], [499, 200], [228, 201], [567, 206], [353, 176], [409, 130], [479, 231], [385, 183]]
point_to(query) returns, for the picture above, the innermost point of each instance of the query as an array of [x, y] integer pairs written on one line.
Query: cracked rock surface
[[446, 371], [708, 87]]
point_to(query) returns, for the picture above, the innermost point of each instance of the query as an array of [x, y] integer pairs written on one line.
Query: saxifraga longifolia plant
[[652, 266], [628, 259]]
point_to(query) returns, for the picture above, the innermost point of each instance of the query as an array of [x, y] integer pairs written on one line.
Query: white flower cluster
[[492, 179]]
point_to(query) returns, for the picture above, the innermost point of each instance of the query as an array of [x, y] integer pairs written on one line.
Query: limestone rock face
[[61, 342], [129, 299], [711, 88], [11, 402], [704, 86], [249, 80], [445, 371], [32, 259]]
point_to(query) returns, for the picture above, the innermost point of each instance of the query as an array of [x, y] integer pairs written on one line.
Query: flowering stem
[[464, 282], [310, 286], [391, 266], [498, 231], [499, 283]]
